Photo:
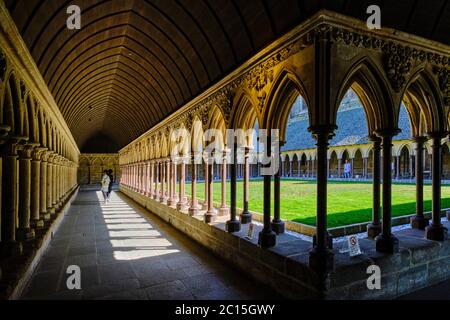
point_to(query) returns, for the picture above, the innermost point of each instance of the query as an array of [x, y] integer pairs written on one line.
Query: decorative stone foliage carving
[[444, 83], [3, 65], [398, 63]]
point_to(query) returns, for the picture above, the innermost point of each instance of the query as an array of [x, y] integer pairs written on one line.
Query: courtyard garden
[[348, 202]]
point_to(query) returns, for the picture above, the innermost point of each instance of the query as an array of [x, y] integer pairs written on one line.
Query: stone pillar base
[[210, 217], [436, 232], [193, 211], [373, 230], [387, 244], [321, 260], [267, 239], [25, 234], [11, 249], [171, 202], [245, 217], [45, 216], [38, 223], [419, 222], [329, 240], [182, 205], [278, 226], [233, 226], [224, 211]]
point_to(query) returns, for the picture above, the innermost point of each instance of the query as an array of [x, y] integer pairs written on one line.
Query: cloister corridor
[[126, 253]]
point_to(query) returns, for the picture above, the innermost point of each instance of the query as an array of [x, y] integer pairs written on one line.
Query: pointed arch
[[286, 88], [372, 90]]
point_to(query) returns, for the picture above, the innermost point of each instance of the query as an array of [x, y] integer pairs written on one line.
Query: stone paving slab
[[124, 253]]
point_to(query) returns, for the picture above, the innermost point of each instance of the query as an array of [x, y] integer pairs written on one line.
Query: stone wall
[[91, 166]]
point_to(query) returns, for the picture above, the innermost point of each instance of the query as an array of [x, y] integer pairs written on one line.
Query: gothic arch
[[287, 86], [372, 90]]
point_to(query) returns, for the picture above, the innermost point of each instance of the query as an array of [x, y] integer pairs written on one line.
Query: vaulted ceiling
[[136, 61]]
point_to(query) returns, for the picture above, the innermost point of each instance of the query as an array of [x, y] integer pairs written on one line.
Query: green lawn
[[348, 202]]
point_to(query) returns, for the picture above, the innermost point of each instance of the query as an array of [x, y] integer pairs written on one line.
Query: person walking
[[111, 182], [347, 169], [105, 185]]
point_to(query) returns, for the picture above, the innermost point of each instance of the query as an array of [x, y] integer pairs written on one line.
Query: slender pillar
[[398, 158], [267, 237], [151, 178], [171, 186], [233, 225], [167, 193], [24, 232], [223, 207], [321, 258], [374, 228], [278, 225], [193, 209], [436, 231], [182, 201], [50, 206], [9, 246], [157, 177], [419, 221], [43, 213], [339, 167], [210, 215], [386, 242], [163, 198], [206, 174], [246, 216]]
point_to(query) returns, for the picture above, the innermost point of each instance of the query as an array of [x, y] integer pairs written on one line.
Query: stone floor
[[125, 253]]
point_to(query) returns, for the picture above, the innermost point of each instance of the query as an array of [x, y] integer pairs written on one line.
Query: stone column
[[54, 182], [24, 231], [9, 246], [210, 215], [386, 242], [277, 225], [299, 167], [163, 197], [321, 258], [233, 225], [171, 186], [50, 207], [246, 216], [206, 178], [436, 231], [374, 228], [419, 221], [339, 167], [223, 207], [182, 201], [410, 167], [151, 178], [157, 177], [290, 168], [267, 237], [193, 209], [398, 167], [352, 173], [167, 192], [43, 213], [176, 197]]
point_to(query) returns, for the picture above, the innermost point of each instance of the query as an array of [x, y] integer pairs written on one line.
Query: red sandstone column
[[206, 178], [168, 180], [193, 209], [182, 201]]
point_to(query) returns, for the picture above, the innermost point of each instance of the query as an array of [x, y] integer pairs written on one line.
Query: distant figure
[[105, 185], [347, 169], [111, 182]]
